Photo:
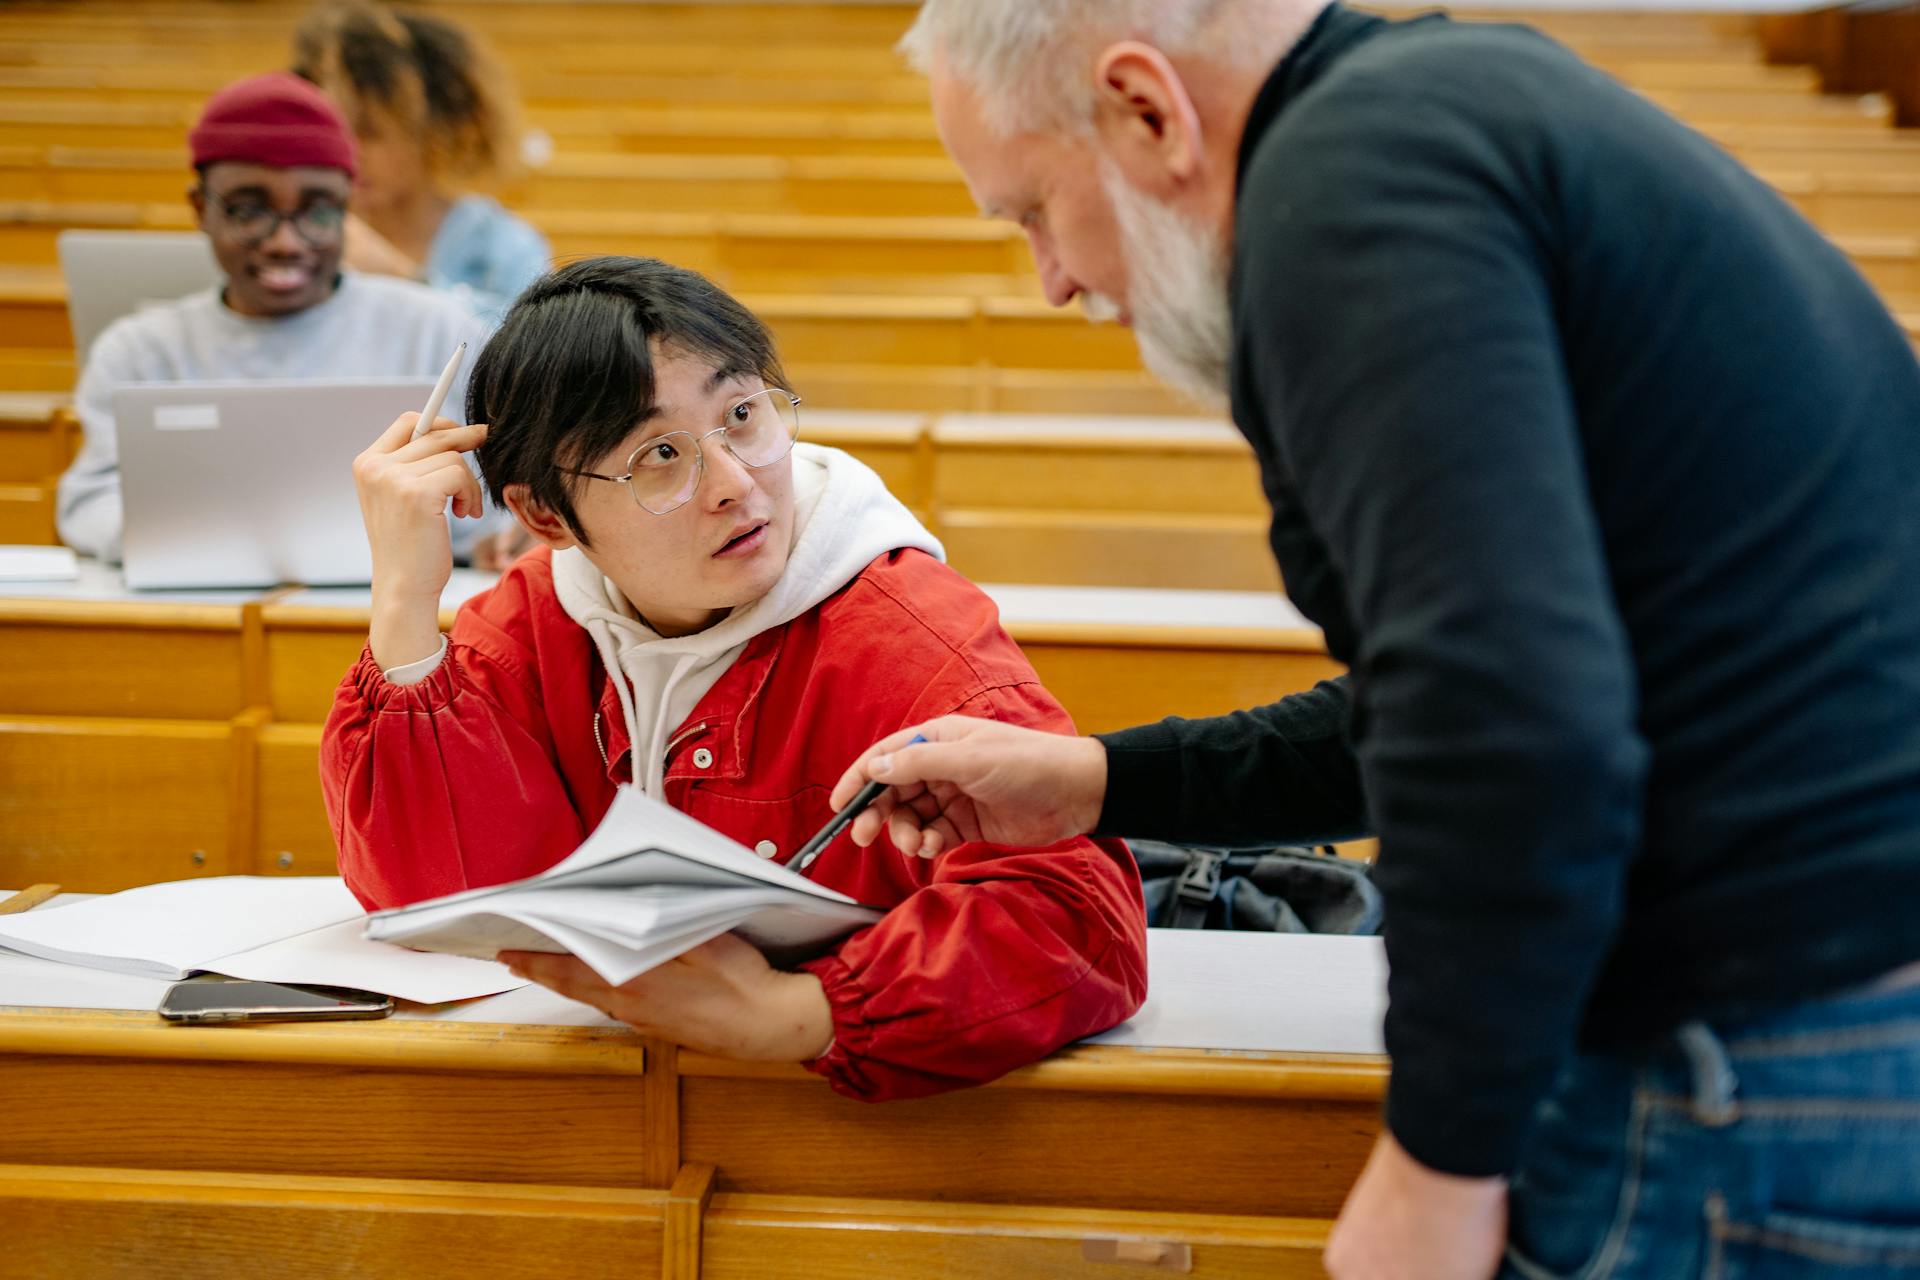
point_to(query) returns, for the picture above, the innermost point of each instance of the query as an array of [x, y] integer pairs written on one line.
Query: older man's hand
[[973, 779], [722, 998], [1404, 1220]]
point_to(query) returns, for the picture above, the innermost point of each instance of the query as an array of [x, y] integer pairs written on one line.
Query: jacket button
[[703, 759], [766, 848]]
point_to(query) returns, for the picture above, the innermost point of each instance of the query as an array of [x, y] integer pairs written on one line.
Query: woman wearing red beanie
[[436, 124]]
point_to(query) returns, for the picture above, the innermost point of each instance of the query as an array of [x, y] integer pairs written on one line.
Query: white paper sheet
[[649, 884], [529, 1006], [1279, 992], [333, 954], [48, 984], [338, 956], [38, 564], [167, 930]]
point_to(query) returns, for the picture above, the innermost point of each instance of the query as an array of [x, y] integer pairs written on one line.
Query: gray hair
[[1029, 61]]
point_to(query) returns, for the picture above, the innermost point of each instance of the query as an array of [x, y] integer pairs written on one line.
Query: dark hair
[[422, 76], [569, 373]]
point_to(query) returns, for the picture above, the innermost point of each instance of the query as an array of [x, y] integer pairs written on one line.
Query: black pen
[[842, 820]]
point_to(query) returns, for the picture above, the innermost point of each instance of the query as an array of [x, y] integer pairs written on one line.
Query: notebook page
[[338, 956], [168, 930]]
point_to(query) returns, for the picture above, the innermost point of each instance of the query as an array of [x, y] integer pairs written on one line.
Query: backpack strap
[[1198, 886]]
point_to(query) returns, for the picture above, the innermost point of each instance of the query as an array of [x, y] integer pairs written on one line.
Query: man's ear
[[1145, 118], [538, 519], [197, 197]]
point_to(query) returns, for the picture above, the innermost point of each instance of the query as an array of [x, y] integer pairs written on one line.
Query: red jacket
[[499, 763]]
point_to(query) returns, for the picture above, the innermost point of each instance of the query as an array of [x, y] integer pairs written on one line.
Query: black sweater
[[1601, 470]]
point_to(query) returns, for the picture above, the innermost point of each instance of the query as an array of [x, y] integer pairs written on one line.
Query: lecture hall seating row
[[1018, 498], [145, 740], [1883, 198]]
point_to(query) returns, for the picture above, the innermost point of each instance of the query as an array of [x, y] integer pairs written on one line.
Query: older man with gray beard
[[1601, 470]]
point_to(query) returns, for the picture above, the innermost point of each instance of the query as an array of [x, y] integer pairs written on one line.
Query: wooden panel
[[1034, 336], [33, 444], [925, 247], [102, 805], [293, 836], [186, 1226], [1891, 264], [1115, 391], [1116, 476], [1110, 548], [344, 1120], [35, 316], [910, 388], [913, 333], [1274, 1155], [752, 1237], [33, 369], [894, 445], [27, 514], [1108, 687], [305, 665], [120, 659]]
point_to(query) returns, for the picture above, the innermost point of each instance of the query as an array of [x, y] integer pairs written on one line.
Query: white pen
[[439, 396]]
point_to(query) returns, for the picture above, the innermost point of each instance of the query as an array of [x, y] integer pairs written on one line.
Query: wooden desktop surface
[[424, 1149]]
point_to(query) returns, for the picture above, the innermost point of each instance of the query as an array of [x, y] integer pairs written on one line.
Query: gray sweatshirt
[[372, 327]]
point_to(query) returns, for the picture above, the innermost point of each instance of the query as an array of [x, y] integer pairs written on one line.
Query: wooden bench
[[38, 438]]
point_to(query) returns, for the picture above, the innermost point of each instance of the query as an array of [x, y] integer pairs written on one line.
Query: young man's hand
[[722, 998], [404, 487], [1404, 1220], [977, 780]]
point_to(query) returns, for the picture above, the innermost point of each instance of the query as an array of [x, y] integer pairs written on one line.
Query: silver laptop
[[115, 273], [248, 484]]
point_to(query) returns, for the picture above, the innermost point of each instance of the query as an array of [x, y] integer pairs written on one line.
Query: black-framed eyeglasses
[[664, 473], [318, 222]]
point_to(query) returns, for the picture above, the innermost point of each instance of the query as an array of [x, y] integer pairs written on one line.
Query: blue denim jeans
[[1783, 1147]]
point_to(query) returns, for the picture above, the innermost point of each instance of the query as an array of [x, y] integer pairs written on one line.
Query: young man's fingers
[[398, 432], [447, 478], [562, 973], [447, 436]]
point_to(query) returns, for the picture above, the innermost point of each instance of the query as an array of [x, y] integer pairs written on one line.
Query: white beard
[[1177, 292]]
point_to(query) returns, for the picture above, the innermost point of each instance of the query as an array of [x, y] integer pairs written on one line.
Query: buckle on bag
[[1200, 882]]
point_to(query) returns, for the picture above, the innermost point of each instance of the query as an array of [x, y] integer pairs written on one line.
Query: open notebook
[[647, 885], [271, 928]]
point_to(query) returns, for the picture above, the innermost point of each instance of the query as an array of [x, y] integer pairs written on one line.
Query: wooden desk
[[123, 739], [423, 1149]]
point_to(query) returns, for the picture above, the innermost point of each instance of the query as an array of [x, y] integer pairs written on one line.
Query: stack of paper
[[38, 564], [292, 929], [649, 884]]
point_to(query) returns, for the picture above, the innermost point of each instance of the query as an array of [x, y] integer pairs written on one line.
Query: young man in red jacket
[[724, 619]]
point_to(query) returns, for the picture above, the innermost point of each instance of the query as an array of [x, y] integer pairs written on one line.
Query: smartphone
[[238, 1001]]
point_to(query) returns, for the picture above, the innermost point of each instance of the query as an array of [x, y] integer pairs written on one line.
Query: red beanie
[[276, 119]]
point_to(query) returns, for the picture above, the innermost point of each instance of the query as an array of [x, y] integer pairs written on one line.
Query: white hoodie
[[843, 518]]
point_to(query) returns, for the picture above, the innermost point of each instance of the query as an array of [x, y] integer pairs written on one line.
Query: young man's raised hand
[[404, 487]]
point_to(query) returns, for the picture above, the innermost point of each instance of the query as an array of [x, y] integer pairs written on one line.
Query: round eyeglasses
[[664, 473], [319, 222]]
